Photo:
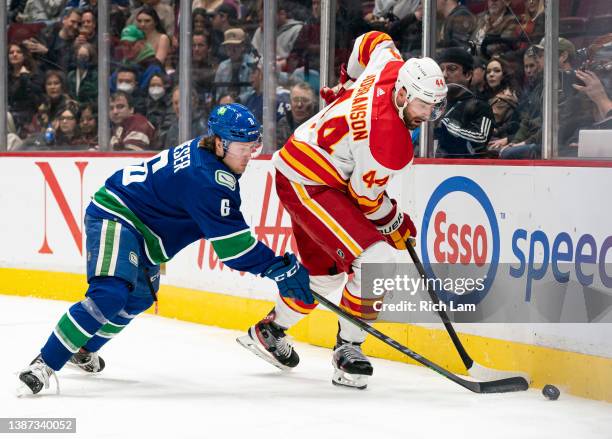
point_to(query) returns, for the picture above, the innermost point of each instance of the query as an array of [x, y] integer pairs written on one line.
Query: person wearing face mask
[[158, 104], [83, 80], [126, 80]]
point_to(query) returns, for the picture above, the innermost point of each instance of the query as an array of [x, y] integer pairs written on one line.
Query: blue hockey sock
[[106, 296]]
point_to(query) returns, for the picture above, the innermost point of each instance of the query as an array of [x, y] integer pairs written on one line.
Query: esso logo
[[459, 243], [460, 228]]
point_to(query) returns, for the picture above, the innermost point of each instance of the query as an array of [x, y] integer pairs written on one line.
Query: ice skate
[[36, 377], [351, 367], [90, 362], [268, 341]]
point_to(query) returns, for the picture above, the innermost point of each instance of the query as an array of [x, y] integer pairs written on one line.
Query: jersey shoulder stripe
[[390, 141], [112, 203], [368, 44]]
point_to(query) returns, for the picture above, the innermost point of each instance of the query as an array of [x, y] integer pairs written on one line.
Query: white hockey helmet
[[423, 79]]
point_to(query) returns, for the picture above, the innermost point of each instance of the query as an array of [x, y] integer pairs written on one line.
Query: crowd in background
[[491, 52]]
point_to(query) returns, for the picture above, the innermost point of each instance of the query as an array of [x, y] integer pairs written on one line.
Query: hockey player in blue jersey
[[145, 214]]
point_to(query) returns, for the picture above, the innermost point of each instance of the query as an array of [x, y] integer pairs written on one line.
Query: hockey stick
[[475, 369], [514, 384]]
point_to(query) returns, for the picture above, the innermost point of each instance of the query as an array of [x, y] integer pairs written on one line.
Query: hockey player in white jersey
[[331, 178]]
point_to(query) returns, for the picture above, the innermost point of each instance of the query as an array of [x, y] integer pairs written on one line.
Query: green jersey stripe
[[109, 243], [108, 201], [230, 248]]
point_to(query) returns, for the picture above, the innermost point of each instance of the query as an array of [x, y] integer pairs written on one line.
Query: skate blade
[[23, 390], [76, 366], [247, 342], [344, 379]]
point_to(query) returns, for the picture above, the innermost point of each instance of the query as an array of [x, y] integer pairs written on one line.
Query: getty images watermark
[[410, 285]]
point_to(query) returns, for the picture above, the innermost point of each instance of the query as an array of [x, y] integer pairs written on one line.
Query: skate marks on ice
[[165, 377]]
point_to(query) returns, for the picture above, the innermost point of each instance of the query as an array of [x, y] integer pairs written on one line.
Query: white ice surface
[[170, 379]]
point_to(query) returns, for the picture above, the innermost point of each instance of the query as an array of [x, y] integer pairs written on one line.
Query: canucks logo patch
[[226, 179], [133, 259], [221, 111]]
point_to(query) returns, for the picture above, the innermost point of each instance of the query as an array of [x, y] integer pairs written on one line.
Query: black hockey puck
[[551, 392]]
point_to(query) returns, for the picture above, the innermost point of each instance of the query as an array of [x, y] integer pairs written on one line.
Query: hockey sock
[[106, 296], [134, 306]]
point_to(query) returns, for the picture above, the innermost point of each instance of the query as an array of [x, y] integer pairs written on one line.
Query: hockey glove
[[291, 277], [329, 95], [397, 228]]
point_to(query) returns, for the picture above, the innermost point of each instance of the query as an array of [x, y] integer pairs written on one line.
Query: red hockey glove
[[329, 95], [397, 228]]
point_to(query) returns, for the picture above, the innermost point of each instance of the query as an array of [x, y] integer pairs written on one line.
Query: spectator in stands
[[531, 26], [306, 49], [495, 27], [391, 10], [139, 51], [235, 71], [567, 53], [148, 21], [40, 10], [203, 67], [164, 11], [158, 105], [127, 82], [303, 106], [24, 85], [55, 92], [498, 78], [88, 124], [62, 133], [131, 131], [200, 23], [226, 99], [198, 118], [408, 32], [594, 89], [253, 99], [88, 29], [287, 31], [224, 18], [13, 141], [466, 126], [210, 6], [527, 141], [83, 80], [458, 26], [478, 75], [68, 133], [57, 41], [504, 106]]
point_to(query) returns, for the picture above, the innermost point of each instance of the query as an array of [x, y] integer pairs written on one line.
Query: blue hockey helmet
[[234, 123]]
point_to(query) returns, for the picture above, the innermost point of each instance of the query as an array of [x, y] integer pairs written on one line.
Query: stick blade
[[506, 385]]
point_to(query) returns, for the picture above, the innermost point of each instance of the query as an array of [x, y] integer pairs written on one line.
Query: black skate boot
[[268, 341], [36, 376], [90, 362], [352, 368]]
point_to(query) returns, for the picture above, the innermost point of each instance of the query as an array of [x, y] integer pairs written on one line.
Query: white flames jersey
[[358, 143]]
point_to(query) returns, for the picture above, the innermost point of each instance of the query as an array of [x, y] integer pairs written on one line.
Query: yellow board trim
[[582, 375]]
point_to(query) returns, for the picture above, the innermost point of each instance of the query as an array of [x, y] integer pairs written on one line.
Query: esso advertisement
[[460, 227]]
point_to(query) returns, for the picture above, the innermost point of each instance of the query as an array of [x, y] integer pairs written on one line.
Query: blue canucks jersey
[[177, 197]]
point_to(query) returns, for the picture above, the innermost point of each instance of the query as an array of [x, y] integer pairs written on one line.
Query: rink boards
[[505, 212]]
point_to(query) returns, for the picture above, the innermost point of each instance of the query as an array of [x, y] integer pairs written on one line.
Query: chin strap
[[400, 110]]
